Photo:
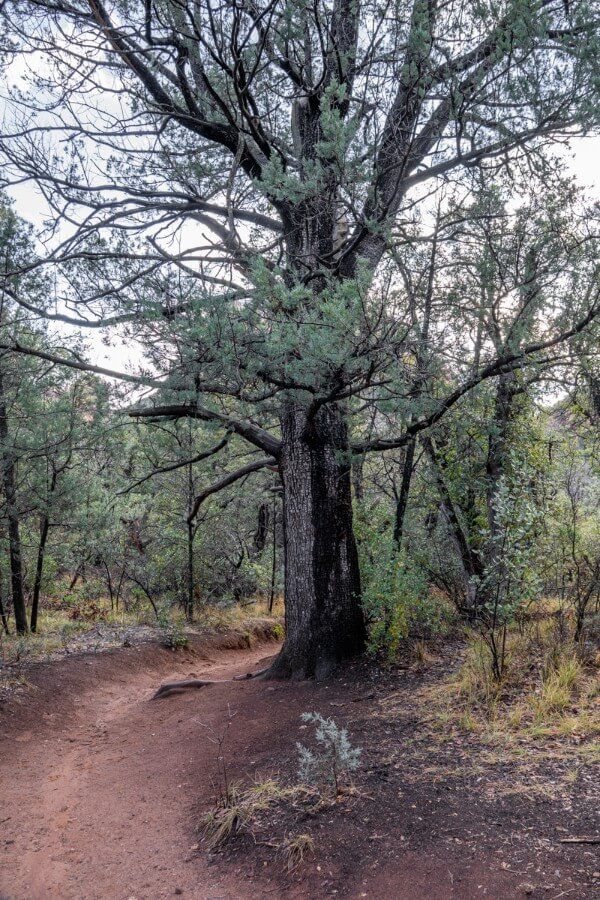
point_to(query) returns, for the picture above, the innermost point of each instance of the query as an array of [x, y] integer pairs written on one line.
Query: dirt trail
[[98, 806], [100, 791]]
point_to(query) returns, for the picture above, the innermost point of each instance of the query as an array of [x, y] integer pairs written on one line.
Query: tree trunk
[[3, 616], [402, 503], [499, 442], [471, 563], [75, 579], [14, 539], [189, 604], [39, 569], [274, 560], [323, 614], [189, 612]]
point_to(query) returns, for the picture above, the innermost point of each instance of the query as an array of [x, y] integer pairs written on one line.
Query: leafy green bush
[[397, 597], [172, 629]]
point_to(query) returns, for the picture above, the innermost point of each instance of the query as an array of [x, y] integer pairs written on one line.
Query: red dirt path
[[100, 790]]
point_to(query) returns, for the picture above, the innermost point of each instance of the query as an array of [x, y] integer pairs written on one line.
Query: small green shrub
[[172, 629], [278, 631], [19, 649], [332, 757]]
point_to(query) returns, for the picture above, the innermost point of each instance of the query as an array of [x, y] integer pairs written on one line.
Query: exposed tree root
[[248, 675], [178, 687]]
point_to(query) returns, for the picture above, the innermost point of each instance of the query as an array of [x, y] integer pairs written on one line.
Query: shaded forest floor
[[102, 791]]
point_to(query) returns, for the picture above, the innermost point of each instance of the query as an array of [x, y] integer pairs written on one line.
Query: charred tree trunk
[[323, 615], [14, 538]]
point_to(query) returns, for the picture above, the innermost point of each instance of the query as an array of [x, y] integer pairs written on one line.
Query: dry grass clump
[[474, 685], [422, 653], [241, 809], [294, 850], [559, 684], [254, 810], [549, 689]]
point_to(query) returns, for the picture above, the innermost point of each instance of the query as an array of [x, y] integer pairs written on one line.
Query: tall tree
[[15, 250], [12, 516], [271, 153]]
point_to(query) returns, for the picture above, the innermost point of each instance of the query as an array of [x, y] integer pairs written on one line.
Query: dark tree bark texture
[[324, 618]]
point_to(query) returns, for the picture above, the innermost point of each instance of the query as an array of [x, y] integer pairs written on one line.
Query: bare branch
[[231, 478]]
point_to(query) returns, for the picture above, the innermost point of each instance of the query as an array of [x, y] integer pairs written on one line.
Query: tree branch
[[231, 478], [255, 435], [178, 465], [81, 365], [503, 364]]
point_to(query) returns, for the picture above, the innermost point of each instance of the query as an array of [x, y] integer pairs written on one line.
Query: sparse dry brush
[[241, 809], [260, 809], [549, 688]]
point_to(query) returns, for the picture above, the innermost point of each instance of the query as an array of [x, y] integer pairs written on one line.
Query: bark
[[259, 542], [402, 502], [3, 616], [274, 560], [323, 615], [109, 585], [474, 566], [499, 441], [39, 566], [471, 562], [14, 538], [75, 579], [189, 612]]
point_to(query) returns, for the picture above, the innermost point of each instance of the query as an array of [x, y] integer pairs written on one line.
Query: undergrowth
[[239, 810], [235, 615], [60, 631], [550, 688], [258, 810]]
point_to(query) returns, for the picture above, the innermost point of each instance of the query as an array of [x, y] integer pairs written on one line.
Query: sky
[[585, 163]]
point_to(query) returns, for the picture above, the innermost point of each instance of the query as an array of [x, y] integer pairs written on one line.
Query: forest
[[299, 438]]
